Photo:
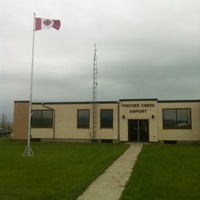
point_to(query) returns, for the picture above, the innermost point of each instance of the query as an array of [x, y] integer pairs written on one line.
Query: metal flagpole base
[[28, 151]]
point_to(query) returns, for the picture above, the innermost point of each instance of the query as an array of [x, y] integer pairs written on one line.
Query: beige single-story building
[[126, 120]]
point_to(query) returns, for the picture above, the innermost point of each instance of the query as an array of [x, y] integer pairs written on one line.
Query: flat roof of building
[[82, 102], [111, 102]]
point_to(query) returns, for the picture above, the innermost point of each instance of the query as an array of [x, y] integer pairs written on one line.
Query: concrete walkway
[[111, 183]]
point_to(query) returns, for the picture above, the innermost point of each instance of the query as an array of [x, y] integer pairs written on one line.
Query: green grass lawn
[[56, 171], [165, 172]]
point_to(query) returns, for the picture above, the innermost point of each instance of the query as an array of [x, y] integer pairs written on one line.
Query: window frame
[[102, 126], [42, 122], [177, 124], [87, 125]]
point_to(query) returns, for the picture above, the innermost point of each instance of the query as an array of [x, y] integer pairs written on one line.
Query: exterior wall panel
[[138, 110], [65, 120], [108, 133], [20, 125], [42, 133], [192, 134]]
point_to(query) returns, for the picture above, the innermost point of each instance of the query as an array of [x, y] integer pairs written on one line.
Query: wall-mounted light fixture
[[123, 116], [152, 116]]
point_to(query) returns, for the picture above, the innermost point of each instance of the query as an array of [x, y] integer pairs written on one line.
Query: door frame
[[138, 134]]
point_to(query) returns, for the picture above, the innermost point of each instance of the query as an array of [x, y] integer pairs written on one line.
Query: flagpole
[[28, 151]]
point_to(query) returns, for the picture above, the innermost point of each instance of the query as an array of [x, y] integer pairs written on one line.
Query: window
[[107, 118], [83, 119], [42, 119], [176, 118]]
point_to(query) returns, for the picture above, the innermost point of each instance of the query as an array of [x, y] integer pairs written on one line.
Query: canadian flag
[[41, 23]]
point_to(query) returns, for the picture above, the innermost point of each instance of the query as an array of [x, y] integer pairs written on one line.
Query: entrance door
[[138, 130]]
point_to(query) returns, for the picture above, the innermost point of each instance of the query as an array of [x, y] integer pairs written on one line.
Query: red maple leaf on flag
[[47, 22]]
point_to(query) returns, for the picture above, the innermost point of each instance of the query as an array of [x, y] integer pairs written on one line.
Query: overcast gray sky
[[146, 49]]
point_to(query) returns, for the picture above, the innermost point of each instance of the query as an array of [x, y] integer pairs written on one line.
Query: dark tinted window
[[42, 119], [107, 118], [83, 119], [176, 118]]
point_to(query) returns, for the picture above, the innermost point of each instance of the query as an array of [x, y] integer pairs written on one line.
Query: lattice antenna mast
[[95, 75], [94, 91]]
